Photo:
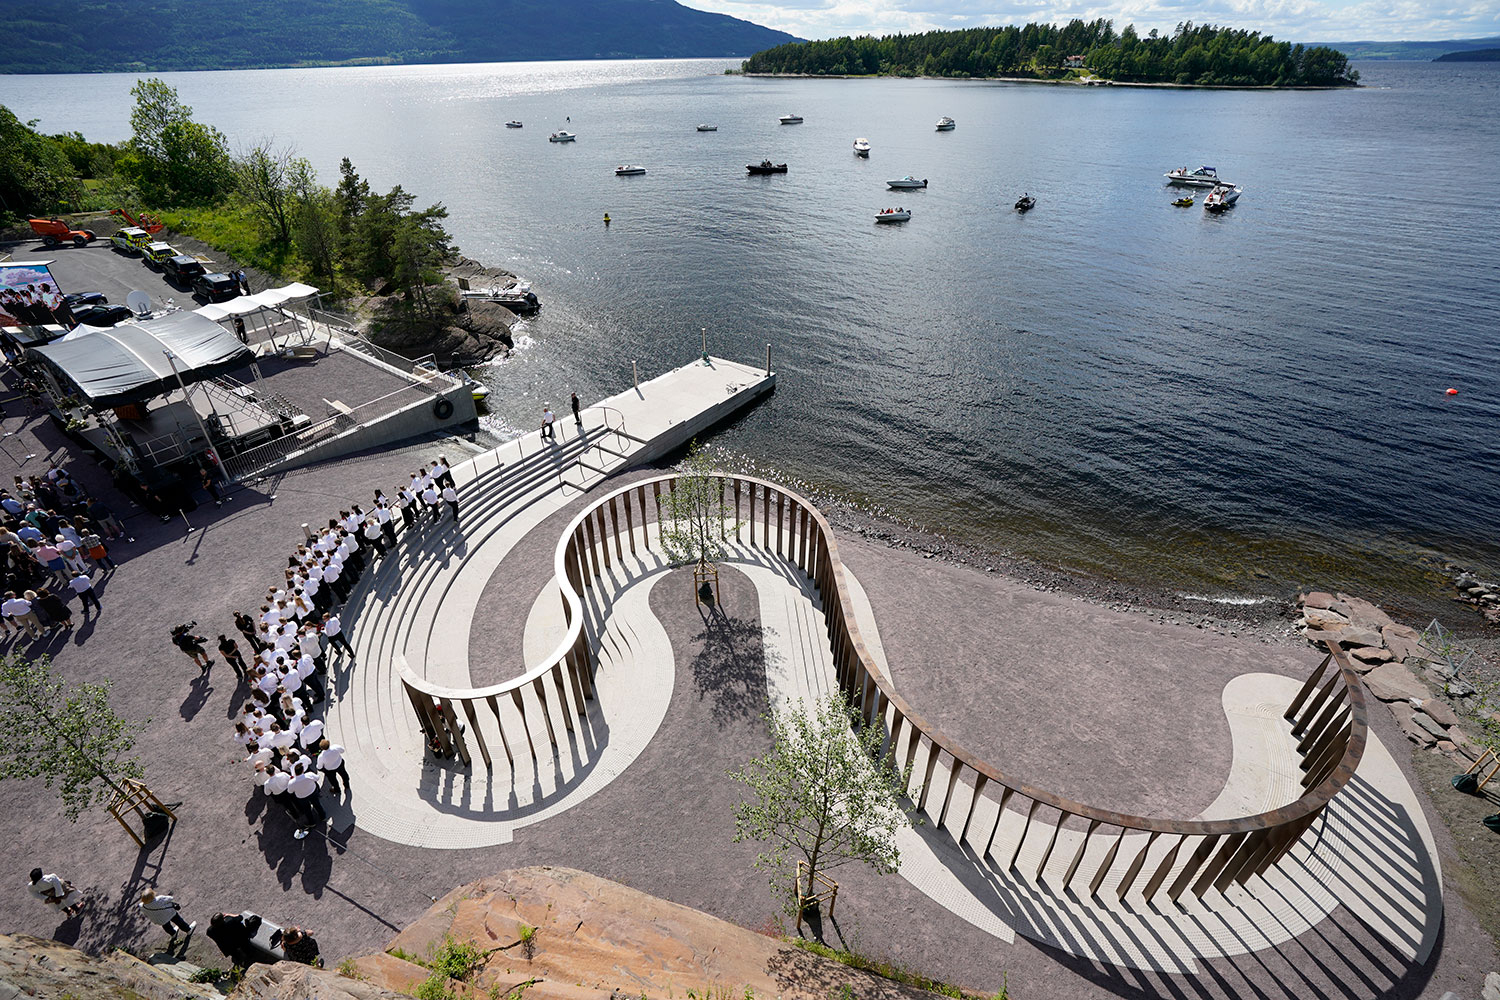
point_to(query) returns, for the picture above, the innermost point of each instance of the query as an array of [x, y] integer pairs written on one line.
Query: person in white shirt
[[304, 788], [442, 473], [163, 912], [331, 763], [450, 497], [547, 418], [280, 738], [334, 630], [55, 892], [431, 498], [84, 588], [311, 733]]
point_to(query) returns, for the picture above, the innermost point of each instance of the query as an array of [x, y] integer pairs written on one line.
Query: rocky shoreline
[[470, 331]]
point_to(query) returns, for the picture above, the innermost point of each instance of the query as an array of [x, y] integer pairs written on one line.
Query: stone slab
[[1372, 654], [1393, 682], [1316, 599], [1440, 712], [1364, 613], [1358, 636], [1430, 724]]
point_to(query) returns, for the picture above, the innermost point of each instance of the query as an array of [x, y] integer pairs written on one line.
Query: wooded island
[[1192, 56]]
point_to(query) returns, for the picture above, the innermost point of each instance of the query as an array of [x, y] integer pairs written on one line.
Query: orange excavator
[[147, 222]]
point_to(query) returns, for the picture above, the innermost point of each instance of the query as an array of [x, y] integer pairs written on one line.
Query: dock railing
[[1327, 716]]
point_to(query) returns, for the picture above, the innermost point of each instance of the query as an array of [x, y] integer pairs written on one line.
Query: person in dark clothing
[[246, 626], [300, 946], [56, 612], [233, 932], [230, 650], [192, 646], [577, 417]]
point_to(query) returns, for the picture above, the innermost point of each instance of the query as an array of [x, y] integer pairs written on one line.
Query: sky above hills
[[1299, 20]]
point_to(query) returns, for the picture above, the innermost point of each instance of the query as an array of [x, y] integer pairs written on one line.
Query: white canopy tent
[[261, 305]]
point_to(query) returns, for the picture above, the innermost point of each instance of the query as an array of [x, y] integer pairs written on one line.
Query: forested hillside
[[95, 36], [1201, 55]]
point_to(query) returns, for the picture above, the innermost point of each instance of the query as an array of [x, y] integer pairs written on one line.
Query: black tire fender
[[442, 409]]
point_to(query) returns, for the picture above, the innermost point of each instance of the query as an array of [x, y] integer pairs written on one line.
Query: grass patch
[[406, 956], [528, 940], [457, 959], [891, 971], [236, 228]]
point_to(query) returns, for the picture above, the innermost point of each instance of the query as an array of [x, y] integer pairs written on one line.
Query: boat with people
[[562, 137], [1202, 177], [766, 167], [946, 124], [512, 124], [907, 182], [791, 119], [893, 215], [627, 170], [1025, 203], [1186, 201], [1222, 197], [708, 128], [861, 147]]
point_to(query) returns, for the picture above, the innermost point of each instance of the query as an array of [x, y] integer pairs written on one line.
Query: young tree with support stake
[[72, 739], [824, 796]]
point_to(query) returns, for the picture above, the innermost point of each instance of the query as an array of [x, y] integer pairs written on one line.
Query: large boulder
[[32, 967], [1358, 636], [291, 981]]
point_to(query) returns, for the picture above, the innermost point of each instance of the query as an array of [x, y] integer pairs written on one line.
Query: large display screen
[[28, 295]]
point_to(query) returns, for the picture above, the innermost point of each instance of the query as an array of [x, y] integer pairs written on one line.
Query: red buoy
[[1452, 392]]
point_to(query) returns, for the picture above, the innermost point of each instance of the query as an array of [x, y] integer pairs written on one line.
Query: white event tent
[[262, 305]]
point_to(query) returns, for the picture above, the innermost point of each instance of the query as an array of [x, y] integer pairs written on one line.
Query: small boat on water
[[477, 389], [861, 147], [512, 124], [1222, 197], [708, 128], [629, 171], [518, 298], [791, 119], [1186, 201], [562, 137], [1025, 203], [766, 167], [893, 215], [907, 182], [946, 124], [1202, 177]]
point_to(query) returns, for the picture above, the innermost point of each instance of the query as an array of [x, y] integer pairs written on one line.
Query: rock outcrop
[[592, 938], [47, 970], [1398, 669]]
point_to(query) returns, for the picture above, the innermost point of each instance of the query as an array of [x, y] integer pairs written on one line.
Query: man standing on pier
[[547, 419], [577, 417]]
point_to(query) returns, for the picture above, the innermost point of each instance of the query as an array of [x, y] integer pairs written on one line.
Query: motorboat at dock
[[517, 297]]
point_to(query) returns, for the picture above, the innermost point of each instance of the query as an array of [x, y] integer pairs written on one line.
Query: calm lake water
[[1232, 406]]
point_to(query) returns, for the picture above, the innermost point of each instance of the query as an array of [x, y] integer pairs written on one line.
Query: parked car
[[183, 269], [131, 241], [77, 300], [101, 315], [157, 254], [216, 286]]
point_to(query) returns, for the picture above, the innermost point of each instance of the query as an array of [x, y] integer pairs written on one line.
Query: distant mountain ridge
[[1411, 50], [94, 36], [1470, 55]]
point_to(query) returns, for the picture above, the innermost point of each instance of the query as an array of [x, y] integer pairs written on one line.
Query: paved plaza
[[1101, 705]]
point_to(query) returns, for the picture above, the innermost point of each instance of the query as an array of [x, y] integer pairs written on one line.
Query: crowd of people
[[54, 539], [295, 635]]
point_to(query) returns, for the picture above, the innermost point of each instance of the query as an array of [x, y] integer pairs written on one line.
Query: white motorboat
[[1204, 177], [477, 389], [708, 128], [861, 147], [517, 297], [907, 182], [562, 137], [946, 124], [629, 171], [513, 124], [1222, 197], [791, 119], [893, 215]]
